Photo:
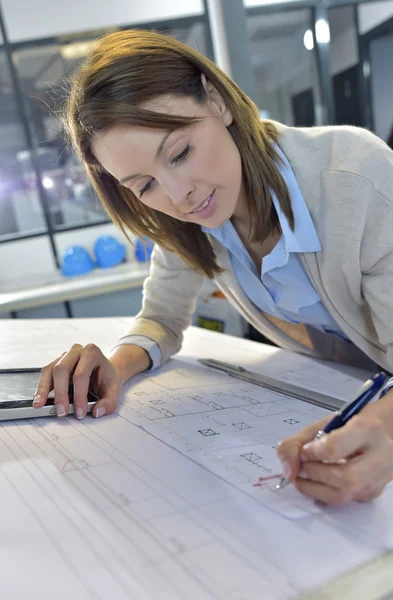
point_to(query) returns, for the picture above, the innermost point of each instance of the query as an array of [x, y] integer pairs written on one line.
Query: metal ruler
[[275, 385]]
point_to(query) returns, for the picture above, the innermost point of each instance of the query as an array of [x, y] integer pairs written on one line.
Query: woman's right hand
[[89, 369]]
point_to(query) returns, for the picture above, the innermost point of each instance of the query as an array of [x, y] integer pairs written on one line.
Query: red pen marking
[[263, 480], [66, 463]]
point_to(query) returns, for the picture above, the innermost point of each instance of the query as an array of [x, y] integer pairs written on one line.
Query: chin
[[216, 221]]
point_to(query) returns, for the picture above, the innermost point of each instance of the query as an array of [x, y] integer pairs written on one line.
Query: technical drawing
[[264, 409], [252, 457], [241, 426], [70, 465], [215, 406], [156, 402], [166, 413], [207, 432], [291, 421], [251, 400]]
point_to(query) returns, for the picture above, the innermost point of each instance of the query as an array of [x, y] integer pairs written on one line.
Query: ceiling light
[[47, 182], [308, 40], [322, 31]]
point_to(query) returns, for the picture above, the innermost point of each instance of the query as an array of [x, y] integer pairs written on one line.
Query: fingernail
[[60, 410], [286, 469], [100, 412], [303, 475], [36, 399], [79, 413]]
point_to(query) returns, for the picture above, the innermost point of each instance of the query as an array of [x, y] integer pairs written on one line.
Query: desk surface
[[32, 343], [50, 288]]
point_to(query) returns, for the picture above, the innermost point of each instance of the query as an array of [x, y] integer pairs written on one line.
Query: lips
[[201, 206]]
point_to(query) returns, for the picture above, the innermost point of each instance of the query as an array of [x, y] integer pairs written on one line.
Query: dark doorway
[[347, 98], [303, 109]]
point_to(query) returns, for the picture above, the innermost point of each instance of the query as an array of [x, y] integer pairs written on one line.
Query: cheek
[[159, 201], [220, 158]]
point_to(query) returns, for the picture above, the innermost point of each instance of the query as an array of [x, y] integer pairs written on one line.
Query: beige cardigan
[[346, 178]]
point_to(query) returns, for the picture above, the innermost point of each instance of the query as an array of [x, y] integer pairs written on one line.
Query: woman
[[293, 224]]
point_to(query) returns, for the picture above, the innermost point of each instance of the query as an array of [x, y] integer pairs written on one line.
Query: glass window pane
[[20, 207], [283, 61], [45, 72]]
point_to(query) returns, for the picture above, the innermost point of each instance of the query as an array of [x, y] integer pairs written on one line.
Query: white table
[[35, 342]]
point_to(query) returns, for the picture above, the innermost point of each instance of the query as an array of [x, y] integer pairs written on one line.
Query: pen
[[365, 394], [21, 370]]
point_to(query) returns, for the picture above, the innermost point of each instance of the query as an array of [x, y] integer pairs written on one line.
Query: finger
[[360, 433], [351, 476], [289, 450], [370, 492], [374, 488], [61, 378], [45, 383], [106, 405], [91, 358], [322, 492]]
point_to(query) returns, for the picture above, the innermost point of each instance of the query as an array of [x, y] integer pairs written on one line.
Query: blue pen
[[366, 393]]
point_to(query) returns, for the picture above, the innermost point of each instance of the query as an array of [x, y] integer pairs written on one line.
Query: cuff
[[151, 347]]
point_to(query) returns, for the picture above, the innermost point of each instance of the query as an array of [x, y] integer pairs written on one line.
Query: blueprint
[[171, 498], [225, 425]]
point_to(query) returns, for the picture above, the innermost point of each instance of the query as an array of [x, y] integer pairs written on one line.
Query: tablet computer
[[17, 388]]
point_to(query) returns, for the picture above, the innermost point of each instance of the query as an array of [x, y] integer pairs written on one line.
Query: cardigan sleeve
[[377, 286], [377, 258], [169, 299]]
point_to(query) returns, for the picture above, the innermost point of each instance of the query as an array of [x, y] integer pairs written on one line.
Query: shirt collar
[[304, 238]]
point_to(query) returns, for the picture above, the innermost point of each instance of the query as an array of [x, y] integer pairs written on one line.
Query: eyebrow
[[158, 153]]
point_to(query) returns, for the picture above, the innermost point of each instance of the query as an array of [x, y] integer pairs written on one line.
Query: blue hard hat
[[143, 249], [76, 261], [109, 251]]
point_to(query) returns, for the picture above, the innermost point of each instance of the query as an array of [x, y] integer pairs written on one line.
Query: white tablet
[[16, 397]]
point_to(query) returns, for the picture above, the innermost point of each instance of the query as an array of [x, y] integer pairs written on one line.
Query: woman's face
[[193, 174]]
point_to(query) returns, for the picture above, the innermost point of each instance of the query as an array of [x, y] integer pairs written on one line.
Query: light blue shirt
[[282, 289]]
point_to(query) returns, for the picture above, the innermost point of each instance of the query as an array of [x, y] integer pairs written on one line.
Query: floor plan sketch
[[229, 427]]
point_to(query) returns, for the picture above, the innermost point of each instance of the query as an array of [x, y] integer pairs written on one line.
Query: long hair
[[128, 68]]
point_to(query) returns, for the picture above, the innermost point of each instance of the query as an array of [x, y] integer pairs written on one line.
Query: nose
[[179, 190]]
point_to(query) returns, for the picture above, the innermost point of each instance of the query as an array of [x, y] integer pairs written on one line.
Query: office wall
[[344, 46], [35, 19], [24, 258], [381, 53], [251, 3], [372, 14]]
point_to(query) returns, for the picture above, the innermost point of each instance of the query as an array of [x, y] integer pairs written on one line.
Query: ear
[[216, 102]]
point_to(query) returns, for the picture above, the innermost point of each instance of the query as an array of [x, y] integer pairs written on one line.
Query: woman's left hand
[[313, 469]]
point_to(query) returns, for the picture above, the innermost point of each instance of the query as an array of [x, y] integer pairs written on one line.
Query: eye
[[145, 188], [182, 155], [174, 161]]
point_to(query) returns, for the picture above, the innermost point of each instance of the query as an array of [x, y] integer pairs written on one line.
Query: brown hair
[[130, 67]]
